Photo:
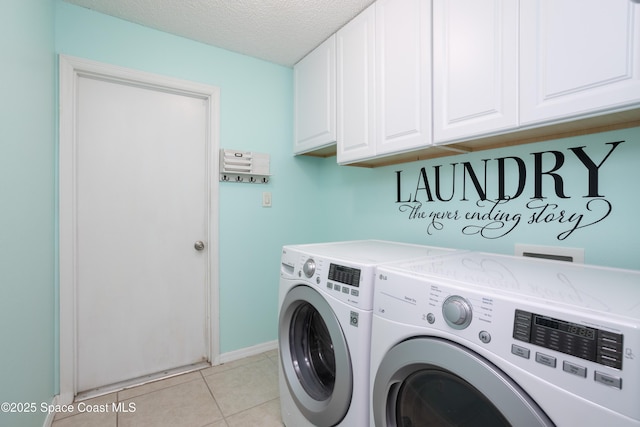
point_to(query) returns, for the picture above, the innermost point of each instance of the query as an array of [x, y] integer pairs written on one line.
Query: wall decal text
[[494, 197]]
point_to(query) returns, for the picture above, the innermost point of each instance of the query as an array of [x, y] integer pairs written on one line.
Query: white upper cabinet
[[500, 67], [578, 57], [403, 75], [356, 88], [315, 99], [475, 68]]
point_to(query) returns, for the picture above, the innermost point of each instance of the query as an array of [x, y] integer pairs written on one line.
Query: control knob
[[309, 267], [457, 312]]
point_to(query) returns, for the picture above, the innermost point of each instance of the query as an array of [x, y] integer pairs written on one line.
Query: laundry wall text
[[493, 197]]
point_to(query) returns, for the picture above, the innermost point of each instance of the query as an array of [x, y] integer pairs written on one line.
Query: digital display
[[570, 328], [345, 275]]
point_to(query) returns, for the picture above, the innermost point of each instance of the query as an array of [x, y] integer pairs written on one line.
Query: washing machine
[[480, 339], [324, 331]]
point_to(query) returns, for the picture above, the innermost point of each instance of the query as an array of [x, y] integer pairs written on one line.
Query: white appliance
[[480, 339], [324, 331]]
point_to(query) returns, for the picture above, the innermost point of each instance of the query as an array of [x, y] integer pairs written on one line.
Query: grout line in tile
[[214, 398], [252, 407]]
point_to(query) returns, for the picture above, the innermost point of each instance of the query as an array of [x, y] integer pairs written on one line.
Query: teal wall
[[365, 204], [27, 207]]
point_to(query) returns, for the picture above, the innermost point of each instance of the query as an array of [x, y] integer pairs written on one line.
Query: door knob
[[199, 245]]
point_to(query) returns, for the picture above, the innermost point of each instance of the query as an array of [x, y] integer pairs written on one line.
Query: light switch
[[266, 199]]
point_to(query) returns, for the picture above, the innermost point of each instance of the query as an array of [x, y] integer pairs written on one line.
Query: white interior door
[[141, 202]]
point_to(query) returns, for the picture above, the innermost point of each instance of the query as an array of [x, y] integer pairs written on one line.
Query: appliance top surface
[[370, 252], [561, 283]]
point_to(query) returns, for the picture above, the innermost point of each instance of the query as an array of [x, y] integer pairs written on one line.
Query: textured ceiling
[[279, 31]]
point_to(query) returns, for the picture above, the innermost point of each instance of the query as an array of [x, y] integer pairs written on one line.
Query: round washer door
[[315, 357], [434, 382]]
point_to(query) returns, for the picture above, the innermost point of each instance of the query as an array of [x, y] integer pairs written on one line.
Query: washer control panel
[[350, 283]]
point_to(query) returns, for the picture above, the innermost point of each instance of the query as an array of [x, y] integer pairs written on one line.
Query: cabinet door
[[315, 98], [356, 88], [403, 75], [578, 57], [475, 68]]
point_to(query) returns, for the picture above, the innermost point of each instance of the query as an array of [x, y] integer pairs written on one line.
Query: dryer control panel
[[587, 343]]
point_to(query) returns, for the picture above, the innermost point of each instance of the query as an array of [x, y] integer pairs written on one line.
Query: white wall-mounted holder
[[244, 166]]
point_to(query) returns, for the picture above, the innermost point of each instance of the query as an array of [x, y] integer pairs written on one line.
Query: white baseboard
[[247, 351], [48, 421]]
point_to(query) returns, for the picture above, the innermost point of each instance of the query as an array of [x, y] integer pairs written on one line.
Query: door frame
[[70, 70]]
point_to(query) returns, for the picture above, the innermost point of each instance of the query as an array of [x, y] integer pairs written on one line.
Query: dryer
[[481, 339], [324, 331]]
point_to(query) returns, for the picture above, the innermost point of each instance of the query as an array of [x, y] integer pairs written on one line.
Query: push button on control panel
[[520, 351], [545, 359], [574, 369], [568, 367], [344, 289], [609, 380], [485, 337]]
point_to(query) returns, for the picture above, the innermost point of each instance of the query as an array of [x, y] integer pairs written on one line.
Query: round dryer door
[[315, 357], [434, 382]]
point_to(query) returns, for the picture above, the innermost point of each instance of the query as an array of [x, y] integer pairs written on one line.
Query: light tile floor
[[240, 393]]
